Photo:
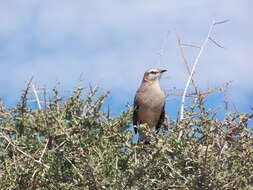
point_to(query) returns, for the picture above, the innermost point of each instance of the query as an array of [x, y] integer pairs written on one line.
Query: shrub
[[72, 144]]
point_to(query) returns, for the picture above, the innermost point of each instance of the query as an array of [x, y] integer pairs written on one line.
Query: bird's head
[[153, 75]]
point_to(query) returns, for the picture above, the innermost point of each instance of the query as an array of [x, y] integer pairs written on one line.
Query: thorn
[[221, 22], [190, 45], [216, 43]]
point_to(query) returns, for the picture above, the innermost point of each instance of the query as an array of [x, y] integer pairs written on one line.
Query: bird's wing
[[161, 119]]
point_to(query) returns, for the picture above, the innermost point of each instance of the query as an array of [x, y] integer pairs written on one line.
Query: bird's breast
[[152, 100], [150, 107]]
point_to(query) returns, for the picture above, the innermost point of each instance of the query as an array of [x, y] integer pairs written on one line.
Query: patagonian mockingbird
[[149, 101]]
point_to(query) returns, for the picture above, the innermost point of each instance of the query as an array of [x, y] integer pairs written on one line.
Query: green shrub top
[[72, 144]]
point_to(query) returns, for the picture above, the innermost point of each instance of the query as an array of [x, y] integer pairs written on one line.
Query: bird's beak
[[162, 71]]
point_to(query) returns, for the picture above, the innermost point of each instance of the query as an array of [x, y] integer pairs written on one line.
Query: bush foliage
[[72, 144]]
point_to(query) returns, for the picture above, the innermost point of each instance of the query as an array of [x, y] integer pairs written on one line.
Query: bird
[[149, 101]]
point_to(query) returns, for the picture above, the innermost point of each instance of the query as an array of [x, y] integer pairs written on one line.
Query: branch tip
[[221, 22]]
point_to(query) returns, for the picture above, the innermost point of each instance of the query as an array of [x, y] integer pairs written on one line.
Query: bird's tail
[[135, 130]]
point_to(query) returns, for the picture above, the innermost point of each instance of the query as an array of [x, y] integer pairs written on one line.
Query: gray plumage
[[149, 101]]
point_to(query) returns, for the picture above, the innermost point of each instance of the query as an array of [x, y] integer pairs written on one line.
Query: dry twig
[[24, 153], [193, 70], [194, 95], [161, 51], [185, 62], [36, 95], [76, 169], [208, 37]]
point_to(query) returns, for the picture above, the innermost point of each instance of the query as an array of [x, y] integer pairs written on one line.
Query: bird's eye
[[153, 72]]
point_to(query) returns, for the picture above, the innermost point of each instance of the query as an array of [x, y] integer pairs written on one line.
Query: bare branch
[[190, 45], [221, 22], [34, 173], [193, 70], [36, 95], [215, 42], [172, 169], [60, 145], [23, 102], [221, 150], [185, 61], [161, 51], [24, 153], [175, 94], [44, 150], [196, 95], [80, 175], [182, 53], [171, 187]]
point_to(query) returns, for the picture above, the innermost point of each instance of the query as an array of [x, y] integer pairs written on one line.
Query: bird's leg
[[142, 137], [165, 126], [140, 131]]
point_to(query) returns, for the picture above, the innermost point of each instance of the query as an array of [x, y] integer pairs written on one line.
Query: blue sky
[[113, 42]]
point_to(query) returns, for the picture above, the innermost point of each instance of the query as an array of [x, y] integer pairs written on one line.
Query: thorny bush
[[72, 144]]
